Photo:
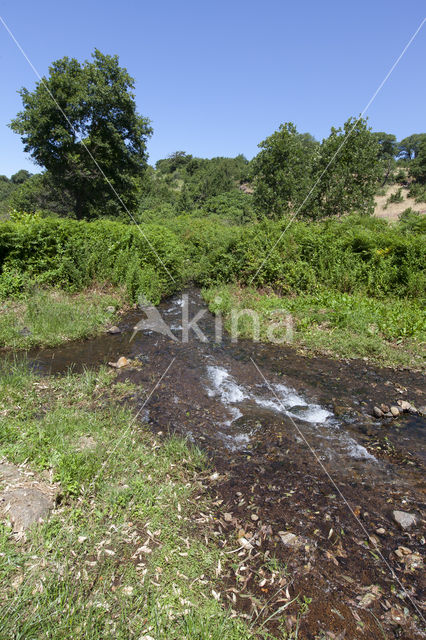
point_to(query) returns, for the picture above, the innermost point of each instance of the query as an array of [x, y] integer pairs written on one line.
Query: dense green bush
[[73, 254], [352, 254]]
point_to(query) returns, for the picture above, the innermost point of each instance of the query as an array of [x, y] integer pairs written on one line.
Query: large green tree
[[282, 171], [347, 171], [409, 147], [97, 113]]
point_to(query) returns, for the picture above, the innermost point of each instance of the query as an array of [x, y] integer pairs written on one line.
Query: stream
[[293, 442]]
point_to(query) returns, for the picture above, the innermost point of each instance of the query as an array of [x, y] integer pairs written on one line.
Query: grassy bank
[[127, 553], [51, 317], [388, 332]]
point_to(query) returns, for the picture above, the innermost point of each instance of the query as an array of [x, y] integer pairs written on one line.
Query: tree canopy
[[97, 113]]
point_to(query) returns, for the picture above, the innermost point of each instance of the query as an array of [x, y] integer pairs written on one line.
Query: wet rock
[[404, 519], [394, 411], [114, 330], [121, 362], [404, 405], [378, 413]]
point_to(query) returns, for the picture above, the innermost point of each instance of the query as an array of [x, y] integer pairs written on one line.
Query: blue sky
[[217, 77]]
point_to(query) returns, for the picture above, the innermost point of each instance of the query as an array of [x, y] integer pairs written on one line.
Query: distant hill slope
[[394, 209]]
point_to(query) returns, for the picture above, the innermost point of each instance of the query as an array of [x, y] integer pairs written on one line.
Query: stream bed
[[296, 450]]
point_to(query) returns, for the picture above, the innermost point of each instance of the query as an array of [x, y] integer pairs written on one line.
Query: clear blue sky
[[216, 77]]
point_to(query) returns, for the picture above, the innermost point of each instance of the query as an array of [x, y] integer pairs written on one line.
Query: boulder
[[24, 500], [25, 506]]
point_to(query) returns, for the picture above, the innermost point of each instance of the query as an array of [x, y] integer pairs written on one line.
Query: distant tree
[[97, 98], [21, 176], [282, 170], [409, 147], [41, 193], [388, 150], [418, 165], [173, 162], [347, 171]]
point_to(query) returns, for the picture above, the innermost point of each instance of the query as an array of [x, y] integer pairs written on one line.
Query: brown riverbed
[[293, 449]]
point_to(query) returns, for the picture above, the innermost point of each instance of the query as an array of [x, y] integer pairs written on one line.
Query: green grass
[[387, 331], [51, 317], [80, 575]]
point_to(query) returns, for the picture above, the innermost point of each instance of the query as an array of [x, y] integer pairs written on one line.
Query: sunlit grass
[[48, 318]]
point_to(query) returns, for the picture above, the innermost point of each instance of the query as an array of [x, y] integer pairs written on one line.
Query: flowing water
[[291, 436]]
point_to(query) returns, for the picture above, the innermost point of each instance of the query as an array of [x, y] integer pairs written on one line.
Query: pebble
[[404, 519], [380, 531], [394, 411], [113, 330], [404, 405], [254, 517], [121, 362], [377, 412], [110, 309], [384, 408]]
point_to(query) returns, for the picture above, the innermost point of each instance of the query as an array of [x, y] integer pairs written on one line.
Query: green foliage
[[97, 114], [417, 191], [418, 165], [295, 174], [395, 197], [347, 171], [411, 221], [388, 150], [234, 207], [283, 171], [73, 254], [41, 193], [409, 147]]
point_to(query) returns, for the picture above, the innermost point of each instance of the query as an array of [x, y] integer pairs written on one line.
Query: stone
[[404, 405], [254, 517], [121, 362], [290, 539], [114, 330], [384, 408], [110, 309], [25, 506], [380, 531], [422, 410], [378, 413], [24, 500], [228, 517], [394, 411], [404, 519]]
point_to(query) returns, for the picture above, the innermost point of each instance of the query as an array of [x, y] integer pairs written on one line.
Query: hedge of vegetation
[[352, 254]]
